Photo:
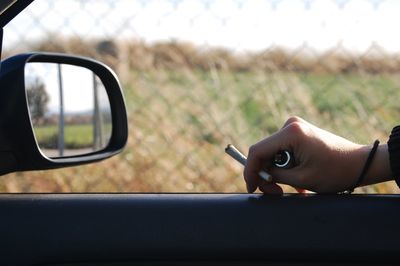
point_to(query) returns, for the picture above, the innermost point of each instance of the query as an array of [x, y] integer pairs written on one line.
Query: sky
[[77, 85], [240, 25]]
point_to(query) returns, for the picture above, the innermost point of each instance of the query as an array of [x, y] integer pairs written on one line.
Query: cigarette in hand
[[238, 156]]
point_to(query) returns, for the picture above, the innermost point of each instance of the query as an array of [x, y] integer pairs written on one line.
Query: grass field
[[180, 122], [181, 118], [75, 136]]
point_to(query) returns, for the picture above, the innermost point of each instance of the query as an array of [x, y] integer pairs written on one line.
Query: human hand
[[325, 162]]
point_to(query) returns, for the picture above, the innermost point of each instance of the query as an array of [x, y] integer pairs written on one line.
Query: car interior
[[158, 228]]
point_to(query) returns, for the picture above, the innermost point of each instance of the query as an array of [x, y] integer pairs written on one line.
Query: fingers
[[290, 177], [275, 189], [250, 187], [282, 176], [301, 190], [298, 120], [293, 119], [261, 154], [256, 162], [270, 188]]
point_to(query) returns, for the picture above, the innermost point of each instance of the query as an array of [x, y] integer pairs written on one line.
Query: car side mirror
[[58, 110]]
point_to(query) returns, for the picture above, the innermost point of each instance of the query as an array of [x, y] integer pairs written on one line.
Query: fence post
[[61, 125], [97, 121]]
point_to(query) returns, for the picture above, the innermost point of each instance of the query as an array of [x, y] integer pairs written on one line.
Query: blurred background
[[199, 74]]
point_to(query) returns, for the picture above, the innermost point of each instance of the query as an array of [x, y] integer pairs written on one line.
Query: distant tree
[[38, 99]]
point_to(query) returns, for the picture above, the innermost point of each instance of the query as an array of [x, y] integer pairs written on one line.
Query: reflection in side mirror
[[69, 109]]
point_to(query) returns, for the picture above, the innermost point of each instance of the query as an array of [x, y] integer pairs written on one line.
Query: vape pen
[[283, 159]]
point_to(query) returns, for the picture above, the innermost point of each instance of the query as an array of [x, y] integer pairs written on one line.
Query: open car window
[[198, 75]]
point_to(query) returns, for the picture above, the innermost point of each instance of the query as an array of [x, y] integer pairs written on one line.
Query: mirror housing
[[19, 150]]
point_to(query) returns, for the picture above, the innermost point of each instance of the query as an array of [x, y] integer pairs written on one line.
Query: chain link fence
[[198, 75]]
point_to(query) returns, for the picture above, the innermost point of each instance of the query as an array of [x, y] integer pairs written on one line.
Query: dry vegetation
[[184, 55], [185, 103]]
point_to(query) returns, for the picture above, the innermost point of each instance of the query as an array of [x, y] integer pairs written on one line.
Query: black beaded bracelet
[[365, 168]]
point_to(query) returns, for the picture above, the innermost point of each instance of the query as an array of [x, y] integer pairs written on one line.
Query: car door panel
[[186, 228]]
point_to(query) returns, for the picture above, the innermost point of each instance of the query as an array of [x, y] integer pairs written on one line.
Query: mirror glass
[[69, 109]]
